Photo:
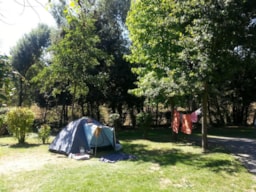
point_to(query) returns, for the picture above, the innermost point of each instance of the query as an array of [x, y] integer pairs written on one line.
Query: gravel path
[[244, 149]]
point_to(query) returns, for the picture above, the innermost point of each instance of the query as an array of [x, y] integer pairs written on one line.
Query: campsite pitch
[[160, 166]]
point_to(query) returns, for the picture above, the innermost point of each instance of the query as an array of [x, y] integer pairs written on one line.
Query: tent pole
[[97, 133], [96, 146]]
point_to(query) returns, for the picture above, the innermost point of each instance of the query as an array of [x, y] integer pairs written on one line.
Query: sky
[[17, 20]]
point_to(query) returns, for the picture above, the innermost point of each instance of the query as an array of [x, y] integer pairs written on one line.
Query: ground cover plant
[[160, 166]]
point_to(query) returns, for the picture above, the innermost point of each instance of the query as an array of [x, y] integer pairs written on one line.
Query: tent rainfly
[[84, 133]]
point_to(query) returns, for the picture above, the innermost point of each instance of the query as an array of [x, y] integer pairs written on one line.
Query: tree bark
[[204, 123], [20, 92], [73, 103]]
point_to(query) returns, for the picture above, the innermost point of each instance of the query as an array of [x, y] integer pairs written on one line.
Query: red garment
[[175, 121], [186, 124]]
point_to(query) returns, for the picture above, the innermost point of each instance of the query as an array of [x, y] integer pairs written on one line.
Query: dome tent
[[85, 133]]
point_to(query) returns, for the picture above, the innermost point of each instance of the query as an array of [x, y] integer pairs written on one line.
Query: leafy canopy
[[154, 34]]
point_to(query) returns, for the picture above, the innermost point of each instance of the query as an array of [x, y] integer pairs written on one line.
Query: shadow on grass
[[173, 156], [219, 165], [154, 134], [24, 145], [213, 160]]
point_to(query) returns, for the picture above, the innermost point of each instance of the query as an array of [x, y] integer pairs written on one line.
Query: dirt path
[[244, 149], [27, 162]]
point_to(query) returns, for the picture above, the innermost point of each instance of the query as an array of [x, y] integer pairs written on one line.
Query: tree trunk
[[174, 135], [45, 114], [133, 117], [98, 110], [73, 104], [157, 115], [204, 123], [20, 92], [219, 115], [82, 108]]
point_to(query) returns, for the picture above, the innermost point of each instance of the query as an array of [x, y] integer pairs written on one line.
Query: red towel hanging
[[186, 124], [176, 121]]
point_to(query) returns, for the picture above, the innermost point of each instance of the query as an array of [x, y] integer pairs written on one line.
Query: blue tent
[[84, 133]]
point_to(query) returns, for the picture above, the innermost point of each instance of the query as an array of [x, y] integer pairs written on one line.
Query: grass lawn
[[160, 166]]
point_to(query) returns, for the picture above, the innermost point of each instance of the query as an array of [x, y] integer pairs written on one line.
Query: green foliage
[[44, 133], [217, 46], [25, 54], [3, 128], [19, 121], [189, 43], [29, 48], [5, 80], [75, 58], [195, 48], [154, 49], [88, 53], [111, 29], [144, 121]]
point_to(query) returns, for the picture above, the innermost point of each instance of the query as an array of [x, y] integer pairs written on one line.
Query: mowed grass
[[160, 166]]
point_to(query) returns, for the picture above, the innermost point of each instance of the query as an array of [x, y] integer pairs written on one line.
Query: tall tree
[[76, 56], [154, 49], [201, 34], [115, 80], [112, 31], [26, 53], [214, 32]]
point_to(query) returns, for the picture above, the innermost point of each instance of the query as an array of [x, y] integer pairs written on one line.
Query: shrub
[[114, 120], [144, 121], [44, 133], [19, 121], [3, 127]]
